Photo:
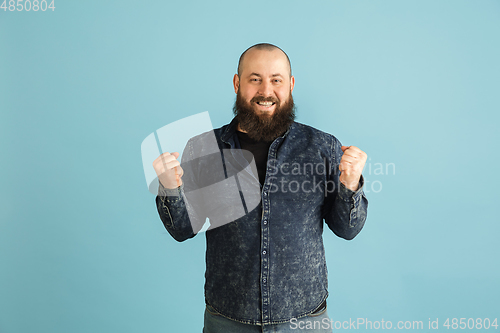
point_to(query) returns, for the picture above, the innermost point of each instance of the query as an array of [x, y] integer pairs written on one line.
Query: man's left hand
[[351, 165]]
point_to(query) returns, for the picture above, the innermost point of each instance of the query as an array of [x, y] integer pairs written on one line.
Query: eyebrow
[[273, 75]]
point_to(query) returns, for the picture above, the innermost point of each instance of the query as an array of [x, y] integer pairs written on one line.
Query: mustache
[[257, 99]]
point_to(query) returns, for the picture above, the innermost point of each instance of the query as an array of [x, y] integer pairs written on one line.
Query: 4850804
[[27, 5], [470, 323]]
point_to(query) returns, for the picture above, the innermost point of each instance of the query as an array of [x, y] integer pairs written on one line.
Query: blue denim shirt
[[269, 265]]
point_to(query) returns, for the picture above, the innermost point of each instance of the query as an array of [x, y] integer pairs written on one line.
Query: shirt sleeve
[[180, 219], [345, 210]]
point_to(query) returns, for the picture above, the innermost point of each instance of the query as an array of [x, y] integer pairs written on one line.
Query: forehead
[[265, 62]]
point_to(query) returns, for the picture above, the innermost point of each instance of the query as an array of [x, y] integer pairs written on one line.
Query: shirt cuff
[[349, 195], [170, 192]]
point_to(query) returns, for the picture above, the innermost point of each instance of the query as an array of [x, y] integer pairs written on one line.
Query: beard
[[259, 125]]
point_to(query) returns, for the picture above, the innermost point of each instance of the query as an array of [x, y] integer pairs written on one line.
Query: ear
[[236, 83], [292, 83]]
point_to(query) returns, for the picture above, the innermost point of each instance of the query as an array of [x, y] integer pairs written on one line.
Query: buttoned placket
[[352, 217], [265, 232], [264, 285], [354, 212]]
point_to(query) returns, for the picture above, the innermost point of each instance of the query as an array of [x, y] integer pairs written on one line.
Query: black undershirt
[[259, 149]]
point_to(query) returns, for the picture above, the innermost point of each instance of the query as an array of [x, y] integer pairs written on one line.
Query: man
[[266, 271]]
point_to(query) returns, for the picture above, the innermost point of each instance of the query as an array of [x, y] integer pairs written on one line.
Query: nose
[[266, 89]]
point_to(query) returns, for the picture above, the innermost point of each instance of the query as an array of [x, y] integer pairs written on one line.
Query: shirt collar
[[230, 131]]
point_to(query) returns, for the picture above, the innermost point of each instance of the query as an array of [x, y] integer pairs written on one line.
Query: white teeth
[[265, 103]]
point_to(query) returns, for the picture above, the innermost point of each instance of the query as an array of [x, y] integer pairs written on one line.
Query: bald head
[[261, 47]]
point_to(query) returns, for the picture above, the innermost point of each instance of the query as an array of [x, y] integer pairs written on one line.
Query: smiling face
[[264, 83]]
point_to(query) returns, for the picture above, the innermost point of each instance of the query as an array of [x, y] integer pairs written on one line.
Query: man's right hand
[[169, 170]]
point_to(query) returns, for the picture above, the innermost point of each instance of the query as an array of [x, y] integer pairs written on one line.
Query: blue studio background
[[415, 84]]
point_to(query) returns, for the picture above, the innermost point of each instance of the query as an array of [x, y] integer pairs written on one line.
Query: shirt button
[[264, 280], [265, 222], [264, 252]]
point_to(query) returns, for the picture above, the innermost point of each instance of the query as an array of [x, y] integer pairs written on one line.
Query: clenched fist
[[169, 170], [351, 165]]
